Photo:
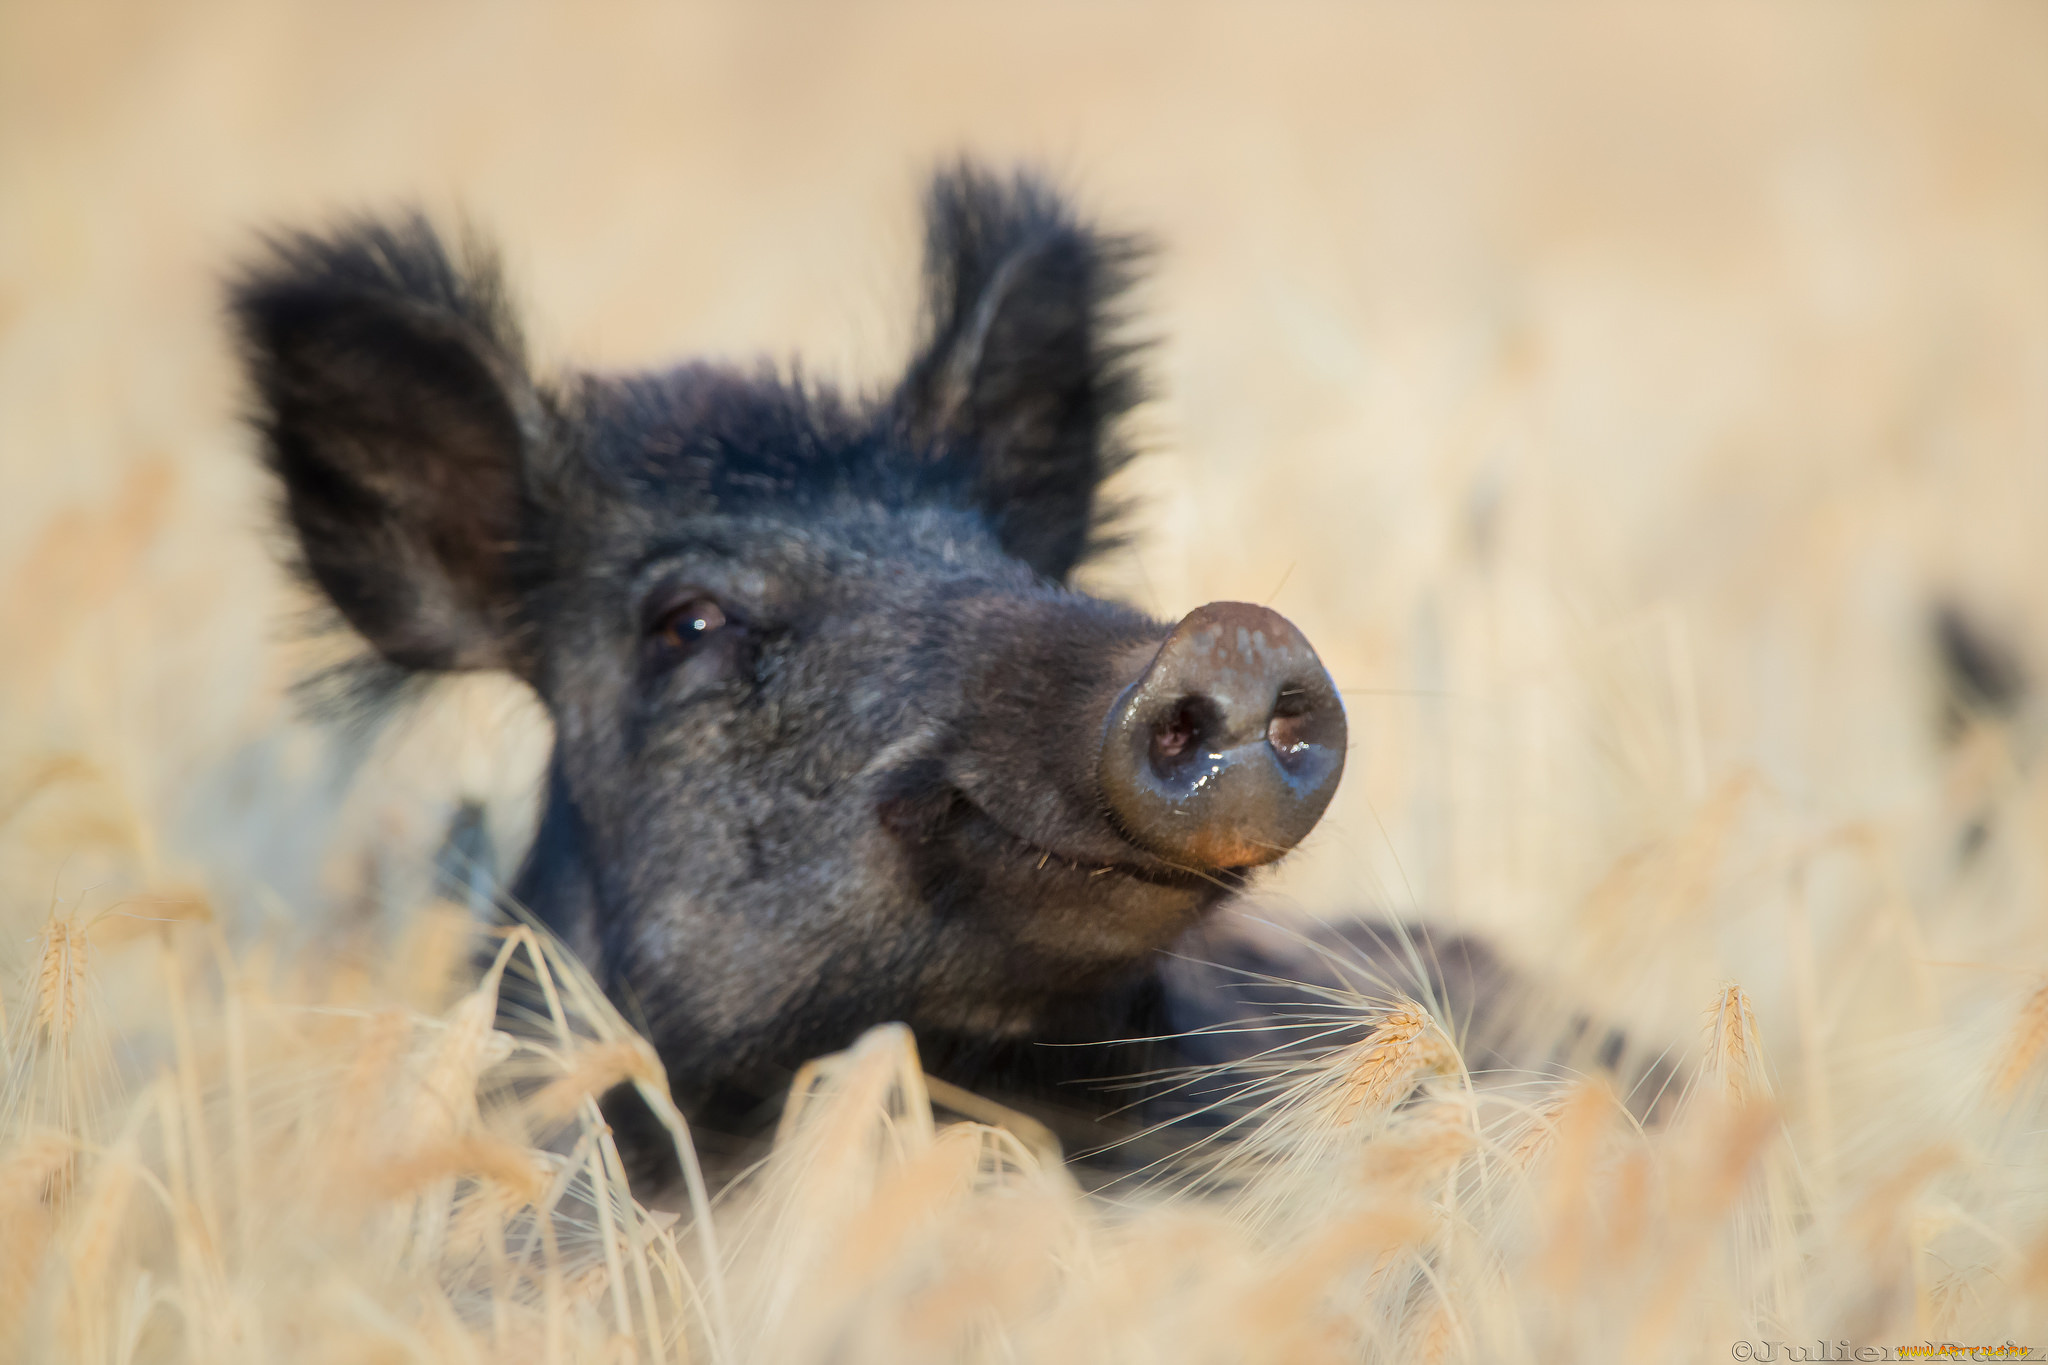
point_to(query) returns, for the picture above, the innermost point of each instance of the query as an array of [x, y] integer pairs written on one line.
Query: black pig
[[834, 742]]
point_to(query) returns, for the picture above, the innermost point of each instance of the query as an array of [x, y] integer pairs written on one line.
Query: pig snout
[[1227, 749]]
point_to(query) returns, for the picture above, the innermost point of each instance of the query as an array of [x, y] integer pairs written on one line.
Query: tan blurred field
[[1611, 393]]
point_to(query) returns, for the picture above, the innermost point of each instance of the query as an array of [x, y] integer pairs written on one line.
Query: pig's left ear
[[1020, 373], [393, 398]]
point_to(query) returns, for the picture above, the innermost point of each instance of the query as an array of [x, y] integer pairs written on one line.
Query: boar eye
[[682, 624]]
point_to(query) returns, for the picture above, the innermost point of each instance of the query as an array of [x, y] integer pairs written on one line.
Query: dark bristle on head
[[1023, 363]]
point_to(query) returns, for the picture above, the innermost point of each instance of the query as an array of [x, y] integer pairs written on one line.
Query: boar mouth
[[922, 804], [1152, 871]]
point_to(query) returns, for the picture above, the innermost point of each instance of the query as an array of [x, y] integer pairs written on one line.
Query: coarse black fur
[[826, 713]]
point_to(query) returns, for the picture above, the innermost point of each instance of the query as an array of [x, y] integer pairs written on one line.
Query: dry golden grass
[[1610, 393], [343, 1169]]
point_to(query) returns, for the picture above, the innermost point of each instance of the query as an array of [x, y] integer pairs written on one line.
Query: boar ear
[[1020, 372], [396, 412]]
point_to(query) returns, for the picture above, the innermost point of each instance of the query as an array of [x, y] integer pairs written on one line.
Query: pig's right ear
[[393, 398]]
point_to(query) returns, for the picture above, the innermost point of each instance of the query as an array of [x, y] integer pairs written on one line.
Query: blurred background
[[1616, 395]]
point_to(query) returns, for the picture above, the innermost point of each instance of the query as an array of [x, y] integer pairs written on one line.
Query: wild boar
[[835, 740]]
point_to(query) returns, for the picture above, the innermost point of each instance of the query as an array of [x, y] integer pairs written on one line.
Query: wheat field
[[1619, 396]]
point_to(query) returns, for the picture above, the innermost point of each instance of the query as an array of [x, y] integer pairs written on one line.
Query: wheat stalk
[[59, 978], [1405, 1045], [512, 1168], [1735, 1053], [97, 1234], [2023, 1046], [1439, 1332], [444, 1101], [1423, 1148], [593, 1070]]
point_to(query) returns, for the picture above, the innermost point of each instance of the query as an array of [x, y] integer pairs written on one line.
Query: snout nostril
[[1287, 733], [1169, 739], [1178, 738], [1294, 723]]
